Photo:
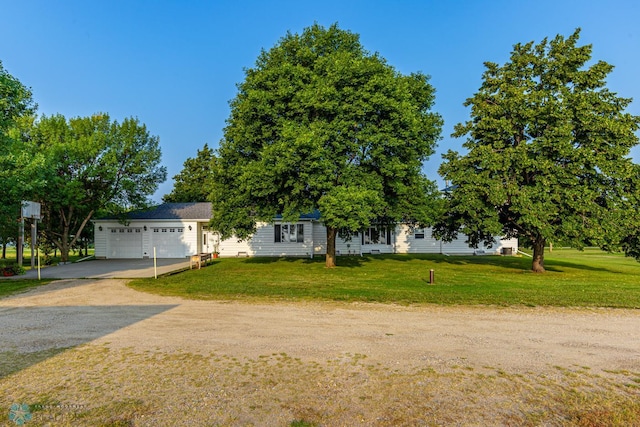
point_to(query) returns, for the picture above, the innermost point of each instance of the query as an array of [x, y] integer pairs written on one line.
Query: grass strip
[[573, 279]]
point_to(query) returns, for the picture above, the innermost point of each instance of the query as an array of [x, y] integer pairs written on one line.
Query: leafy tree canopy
[[15, 101], [548, 153], [19, 163], [93, 163], [321, 124], [192, 183]]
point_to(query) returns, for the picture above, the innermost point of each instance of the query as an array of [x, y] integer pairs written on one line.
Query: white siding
[[319, 236], [407, 243], [262, 243], [458, 247], [232, 247], [351, 247], [506, 243], [100, 242]]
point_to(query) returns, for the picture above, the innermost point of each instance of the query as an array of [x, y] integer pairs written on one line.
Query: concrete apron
[[107, 269]]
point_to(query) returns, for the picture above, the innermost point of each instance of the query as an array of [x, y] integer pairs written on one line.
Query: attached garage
[[170, 230]]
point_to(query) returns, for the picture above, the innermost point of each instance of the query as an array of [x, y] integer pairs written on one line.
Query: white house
[[177, 230]]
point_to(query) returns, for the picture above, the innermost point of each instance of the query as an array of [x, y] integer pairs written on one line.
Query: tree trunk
[[538, 256], [330, 259], [4, 250], [64, 245]]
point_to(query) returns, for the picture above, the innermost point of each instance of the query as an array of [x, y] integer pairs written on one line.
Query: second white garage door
[[169, 242]]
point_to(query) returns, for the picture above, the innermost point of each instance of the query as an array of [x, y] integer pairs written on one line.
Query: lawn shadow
[[516, 263], [274, 259], [341, 261]]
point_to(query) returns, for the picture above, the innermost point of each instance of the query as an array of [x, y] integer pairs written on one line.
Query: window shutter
[[300, 234], [388, 235], [277, 233]]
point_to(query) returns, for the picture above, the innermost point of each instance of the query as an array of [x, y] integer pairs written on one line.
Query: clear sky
[[175, 64]]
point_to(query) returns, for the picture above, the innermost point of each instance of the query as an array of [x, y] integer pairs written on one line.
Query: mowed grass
[[11, 257], [14, 286], [573, 279]]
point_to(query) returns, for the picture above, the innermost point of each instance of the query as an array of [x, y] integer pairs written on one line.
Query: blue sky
[[175, 64]]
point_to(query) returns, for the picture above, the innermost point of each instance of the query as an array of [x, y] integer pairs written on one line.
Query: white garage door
[[125, 242], [168, 242]]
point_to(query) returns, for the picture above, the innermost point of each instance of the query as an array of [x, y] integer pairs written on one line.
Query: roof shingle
[[193, 211]]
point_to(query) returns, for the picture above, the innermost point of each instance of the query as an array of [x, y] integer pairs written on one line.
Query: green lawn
[[10, 287], [26, 257], [584, 279]]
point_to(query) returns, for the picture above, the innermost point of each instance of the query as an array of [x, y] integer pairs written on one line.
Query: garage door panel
[[125, 242], [169, 242]]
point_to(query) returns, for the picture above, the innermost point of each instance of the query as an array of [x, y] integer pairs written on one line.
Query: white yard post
[[34, 234], [19, 248], [155, 263]]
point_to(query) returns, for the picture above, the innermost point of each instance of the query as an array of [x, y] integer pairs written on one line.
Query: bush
[[13, 270]]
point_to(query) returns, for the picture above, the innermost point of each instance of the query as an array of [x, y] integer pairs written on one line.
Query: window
[[418, 233], [288, 233], [156, 230], [376, 236]]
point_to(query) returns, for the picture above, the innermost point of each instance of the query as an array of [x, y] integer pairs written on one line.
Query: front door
[[209, 241]]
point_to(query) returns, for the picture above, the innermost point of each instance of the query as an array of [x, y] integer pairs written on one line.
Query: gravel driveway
[[108, 316]]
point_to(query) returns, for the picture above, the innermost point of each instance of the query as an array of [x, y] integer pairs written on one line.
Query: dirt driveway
[[355, 344]]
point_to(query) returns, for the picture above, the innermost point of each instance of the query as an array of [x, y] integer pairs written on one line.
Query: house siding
[[100, 243], [403, 241], [348, 247], [319, 235], [406, 242]]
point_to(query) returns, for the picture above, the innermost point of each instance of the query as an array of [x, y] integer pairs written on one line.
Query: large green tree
[[19, 163], [192, 183], [321, 124], [92, 164], [548, 153]]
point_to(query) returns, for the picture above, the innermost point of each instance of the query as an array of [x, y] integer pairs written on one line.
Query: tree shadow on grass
[[507, 262], [341, 261], [273, 260], [517, 263]]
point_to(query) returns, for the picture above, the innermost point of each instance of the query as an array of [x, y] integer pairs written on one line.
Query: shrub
[[13, 270]]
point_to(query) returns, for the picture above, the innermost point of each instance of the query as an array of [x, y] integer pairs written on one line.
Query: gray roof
[[193, 211], [187, 211]]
